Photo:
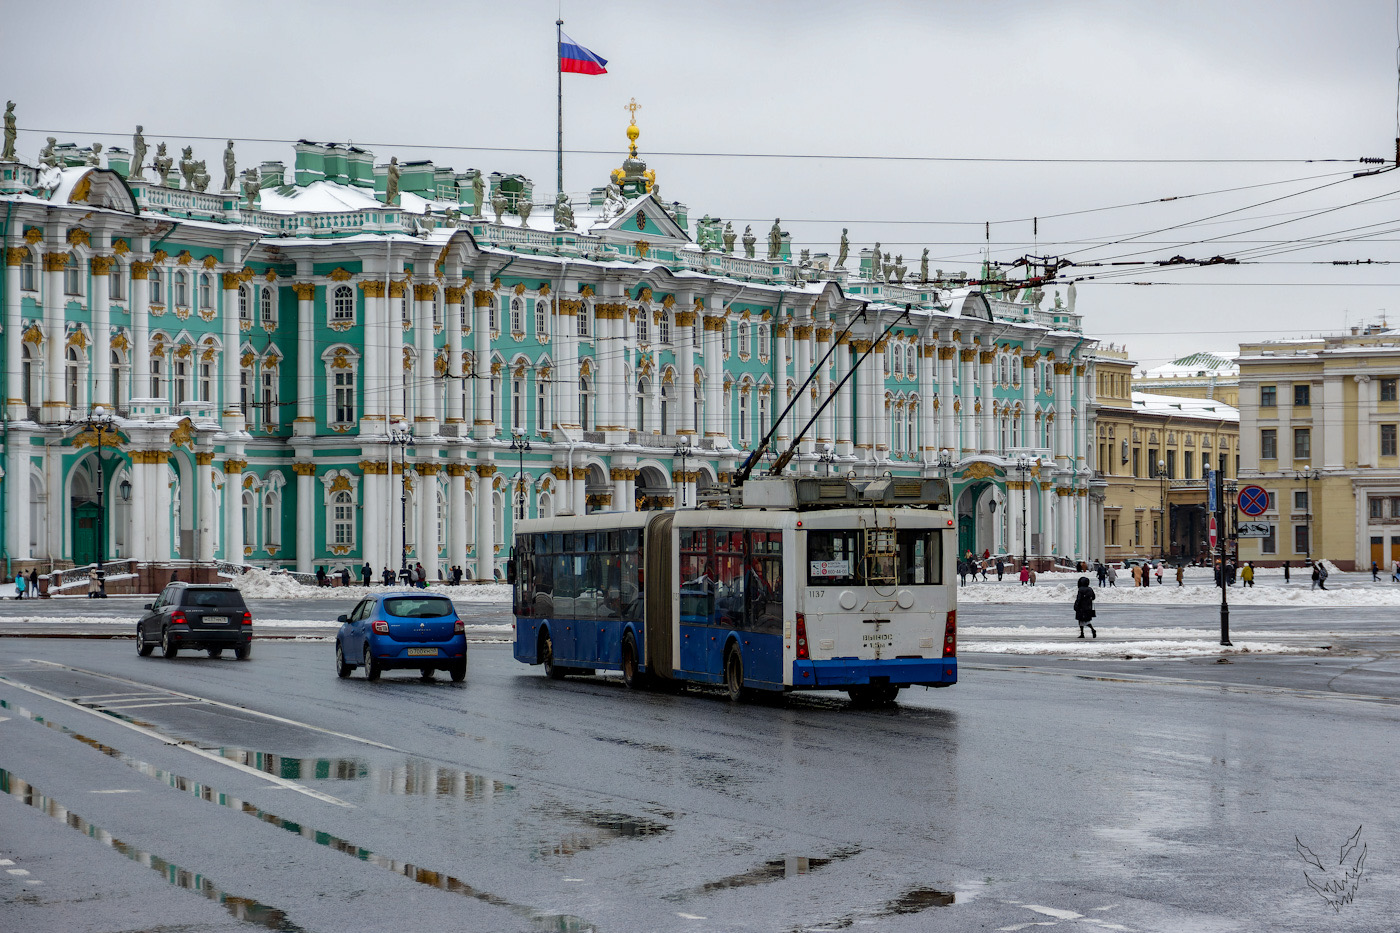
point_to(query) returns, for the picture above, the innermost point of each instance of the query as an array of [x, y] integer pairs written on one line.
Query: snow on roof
[[1197, 365], [1206, 408], [320, 196]]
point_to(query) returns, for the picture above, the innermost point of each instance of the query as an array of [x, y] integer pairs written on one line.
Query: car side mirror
[[510, 571], [342, 618], [150, 605]]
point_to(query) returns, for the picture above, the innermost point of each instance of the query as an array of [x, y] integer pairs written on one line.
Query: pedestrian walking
[[21, 583], [1321, 576], [1316, 577], [1112, 577], [344, 576], [1137, 575], [422, 576], [1180, 575], [388, 577], [92, 584], [985, 562], [1395, 574], [1247, 574], [1286, 568], [1375, 572], [1025, 574], [1032, 578], [34, 583], [1001, 568], [1084, 607], [1160, 564], [962, 572]]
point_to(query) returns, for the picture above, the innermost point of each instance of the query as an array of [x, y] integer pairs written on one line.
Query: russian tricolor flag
[[575, 59]]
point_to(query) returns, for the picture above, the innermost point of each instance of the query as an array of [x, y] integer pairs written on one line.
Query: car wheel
[[142, 648], [341, 668], [372, 670], [552, 671], [631, 675], [243, 652], [734, 675], [216, 652], [458, 671], [168, 648]]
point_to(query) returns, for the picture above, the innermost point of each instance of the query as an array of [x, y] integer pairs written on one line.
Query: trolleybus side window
[[631, 575], [697, 576], [763, 585], [729, 578]]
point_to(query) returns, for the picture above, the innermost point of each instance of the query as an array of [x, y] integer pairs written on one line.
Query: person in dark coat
[[388, 577], [1084, 607], [367, 573], [344, 576], [1286, 568]]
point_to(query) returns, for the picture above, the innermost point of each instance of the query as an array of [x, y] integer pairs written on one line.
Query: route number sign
[[1254, 500]]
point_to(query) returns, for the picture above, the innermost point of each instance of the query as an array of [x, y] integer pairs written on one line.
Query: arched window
[[585, 397], [206, 291], [269, 396], [178, 391], [542, 422], [584, 312], [343, 519], [663, 330], [272, 518], [243, 309], [405, 312], [157, 287], [744, 347], [517, 316], [898, 359], [764, 340], [743, 416], [157, 376], [28, 272], [698, 404], [912, 364], [206, 381], [269, 305], [643, 326], [73, 275], [182, 290], [70, 374], [643, 392], [343, 304], [517, 403], [762, 415], [666, 389], [541, 322]]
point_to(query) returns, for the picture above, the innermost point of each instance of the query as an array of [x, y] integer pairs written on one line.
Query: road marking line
[[228, 706], [195, 750], [120, 790], [16, 871], [123, 708]]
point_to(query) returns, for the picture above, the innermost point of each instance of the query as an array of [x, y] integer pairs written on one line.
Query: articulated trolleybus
[[802, 584]]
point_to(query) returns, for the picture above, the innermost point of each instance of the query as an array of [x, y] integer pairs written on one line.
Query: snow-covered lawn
[[259, 584]]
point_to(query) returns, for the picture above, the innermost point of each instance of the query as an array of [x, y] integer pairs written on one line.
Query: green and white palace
[[260, 374]]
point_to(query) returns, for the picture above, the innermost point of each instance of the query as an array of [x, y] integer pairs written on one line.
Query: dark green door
[[967, 536], [85, 533]]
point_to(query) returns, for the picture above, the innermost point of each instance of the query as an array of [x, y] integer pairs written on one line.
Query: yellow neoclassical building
[[1150, 452], [1319, 421]]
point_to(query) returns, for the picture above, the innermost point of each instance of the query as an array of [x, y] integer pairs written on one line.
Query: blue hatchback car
[[394, 631]]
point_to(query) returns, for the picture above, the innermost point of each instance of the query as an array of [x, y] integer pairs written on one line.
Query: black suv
[[188, 615]]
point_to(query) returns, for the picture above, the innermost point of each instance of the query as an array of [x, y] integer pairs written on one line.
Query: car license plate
[[422, 652], [216, 620]]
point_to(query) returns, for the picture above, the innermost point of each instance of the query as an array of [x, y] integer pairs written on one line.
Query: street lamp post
[[1023, 467], [683, 451], [1162, 532], [827, 457], [520, 444], [401, 437], [101, 421], [1307, 476]]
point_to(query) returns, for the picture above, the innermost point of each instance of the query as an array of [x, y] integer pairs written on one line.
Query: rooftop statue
[[563, 213], [749, 241], [138, 156], [728, 236], [845, 250], [201, 176], [886, 268], [47, 156], [499, 203], [10, 132], [923, 266], [187, 166], [875, 263], [775, 240], [899, 268], [230, 167], [251, 186], [163, 162], [478, 193], [523, 206], [391, 181], [94, 156]]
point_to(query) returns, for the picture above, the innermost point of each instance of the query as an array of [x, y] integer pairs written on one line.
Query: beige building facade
[[1319, 423]]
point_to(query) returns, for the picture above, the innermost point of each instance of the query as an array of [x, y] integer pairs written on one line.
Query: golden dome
[[633, 131]]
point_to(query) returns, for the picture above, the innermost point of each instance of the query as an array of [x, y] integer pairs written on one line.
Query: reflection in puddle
[[556, 923], [240, 908], [911, 902], [416, 777], [775, 870], [600, 828]]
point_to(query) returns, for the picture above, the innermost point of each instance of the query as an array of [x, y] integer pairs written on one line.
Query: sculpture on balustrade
[[478, 192], [163, 164], [749, 241], [230, 167], [775, 240], [563, 213], [391, 180], [845, 250], [899, 268], [94, 156], [523, 206], [499, 204], [47, 156], [10, 132], [728, 237], [138, 156], [875, 263], [187, 166], [251, 187], [887, 268], [201, 176]]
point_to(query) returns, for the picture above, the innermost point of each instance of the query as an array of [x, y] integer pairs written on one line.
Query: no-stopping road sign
[[1254, 500]]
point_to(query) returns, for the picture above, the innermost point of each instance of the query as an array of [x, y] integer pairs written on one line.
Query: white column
[[375, 503], [842, 421], [453, 387], [826, 422], [879, 413], [101, 360], [229, 364], [1028, 438], [1042, 517], [947, 393], [306, 517], [967, 389], [425, 494], [621, 500], [141, 333], [54, 406], [1082, 513], [927, 415], [986, 359], [716, 418], [578, 488], [305, 423], [685, 338], [374, 407], [779, 399], [485, 530], [482, 426], [233, 511], [425, 379], [1365, 430], [1064, 424], [1084, 436], [802, 365], [204, 505], [16, 486], [14, 339], [861, 408], [457, 517]]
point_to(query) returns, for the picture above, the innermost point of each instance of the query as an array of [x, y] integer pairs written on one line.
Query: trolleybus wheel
[[551, 670], [631, 676], [734, 675], [875, 695]]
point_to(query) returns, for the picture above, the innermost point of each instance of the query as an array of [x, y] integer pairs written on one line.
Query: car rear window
[[213, 599], [418, 607]]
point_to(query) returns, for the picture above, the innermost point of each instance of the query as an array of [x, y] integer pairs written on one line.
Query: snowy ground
[[259, 584]]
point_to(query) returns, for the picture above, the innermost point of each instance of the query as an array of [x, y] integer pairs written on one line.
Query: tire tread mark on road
[[240, 908], [210, 794]]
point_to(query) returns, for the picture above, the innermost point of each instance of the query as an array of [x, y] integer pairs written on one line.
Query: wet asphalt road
[[1108, 795]]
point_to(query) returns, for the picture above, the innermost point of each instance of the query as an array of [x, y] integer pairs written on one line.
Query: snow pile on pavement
[[260, 584], [1105, 648], [1171, 594]]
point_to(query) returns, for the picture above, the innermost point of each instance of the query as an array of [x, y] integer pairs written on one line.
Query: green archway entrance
[[85, 533], [967, 536]]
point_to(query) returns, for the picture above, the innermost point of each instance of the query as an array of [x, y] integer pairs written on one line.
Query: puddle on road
[[777, 869], [416, 777], [240, 908], [600, 828], [913, 901], [554, 923]]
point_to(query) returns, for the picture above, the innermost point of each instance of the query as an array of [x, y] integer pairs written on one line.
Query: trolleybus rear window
[[858, 557]]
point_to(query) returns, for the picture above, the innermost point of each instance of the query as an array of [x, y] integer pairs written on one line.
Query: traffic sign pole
[[1218, 501]]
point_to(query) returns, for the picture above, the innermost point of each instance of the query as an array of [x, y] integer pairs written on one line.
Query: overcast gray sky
[[1246, 79]]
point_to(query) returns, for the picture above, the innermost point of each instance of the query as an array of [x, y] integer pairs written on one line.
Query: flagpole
[[559, 73]]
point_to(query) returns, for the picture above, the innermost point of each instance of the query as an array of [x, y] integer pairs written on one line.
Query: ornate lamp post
[[401, 437], [1023, 467], [683, 451], [1307, 476], [827, 456], [101, 421], [520, 444]]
